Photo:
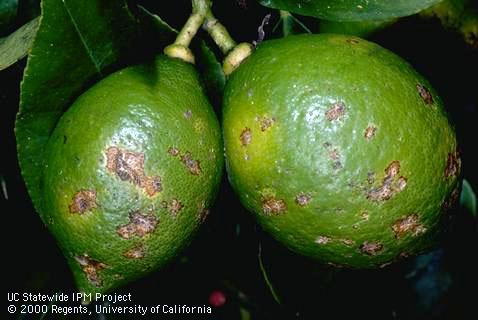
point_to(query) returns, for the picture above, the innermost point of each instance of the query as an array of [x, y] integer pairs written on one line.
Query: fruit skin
[[341, 150], [113, 218]]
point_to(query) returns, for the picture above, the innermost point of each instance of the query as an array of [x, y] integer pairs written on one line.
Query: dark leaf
[[8, 12], [213, 75], [351, 10], [354, 28], [77, 41]]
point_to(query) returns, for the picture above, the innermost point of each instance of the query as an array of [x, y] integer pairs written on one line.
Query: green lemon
[[340, 148], [131, 170]]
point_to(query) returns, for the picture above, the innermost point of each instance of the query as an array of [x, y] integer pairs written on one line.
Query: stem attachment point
[[180, 52], [236, 57]]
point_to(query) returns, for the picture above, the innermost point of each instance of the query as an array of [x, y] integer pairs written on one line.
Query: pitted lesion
[[129, 166], [91, 268], [139, 225], [392, 184], [83, 201]]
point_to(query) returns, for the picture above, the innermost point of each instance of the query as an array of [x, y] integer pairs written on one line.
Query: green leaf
[[468, 197], [266, 276], [77, 41], [351, 10], [8, 12], [16, 46], [290, 24], [354, 28], [155, 31]]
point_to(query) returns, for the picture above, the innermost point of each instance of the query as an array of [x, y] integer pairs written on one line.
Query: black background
[[224, 255]]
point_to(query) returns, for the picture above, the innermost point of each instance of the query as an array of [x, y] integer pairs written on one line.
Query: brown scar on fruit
[[129, 166], [194, 166], [139, 225], [174, 206], [347, 242], [371, 248], [152, 185], [245, 137], [365, 216], [322, 240], [303, 199], [453, 165], [337, 165], [408, 225], [369, 132], [334, 154], [173, 151], [335, 111], [452, 199], [386, 264], [403, 255], [352, 41], [83, 200], [91, 268], [370, 177], [425, 94], [187, 114], [137, 252], [203, 212], [265, 122], [272, 206], [391, 184]]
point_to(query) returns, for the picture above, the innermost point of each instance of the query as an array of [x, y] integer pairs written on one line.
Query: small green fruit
[[131, 170], [342, 150]]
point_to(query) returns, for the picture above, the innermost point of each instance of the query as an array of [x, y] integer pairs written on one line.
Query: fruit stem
[[235, 53], [218, 33], [180, 47]]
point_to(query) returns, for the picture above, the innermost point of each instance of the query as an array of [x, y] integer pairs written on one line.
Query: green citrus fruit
[[343, 151], [132, 168]]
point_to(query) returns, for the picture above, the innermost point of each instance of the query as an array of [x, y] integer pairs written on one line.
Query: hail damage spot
[[187, 114], [137, 252], [203, 212], [173, 207], [194, 166], [152, 185], [265, 123], [371, 248], [129, 166], [453, 165], [369, 132], [322, 240], [408, 225], [139, 225], [347, 242], [272, 206], [335, 111], [91, 268], [370, 177], [83, 200], [303, 199], [391, 184], [245, 137], [425, 94], [365, 215], [452, 199], [173, 151]]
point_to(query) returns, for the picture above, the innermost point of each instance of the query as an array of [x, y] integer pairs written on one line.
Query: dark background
[[224, 256]]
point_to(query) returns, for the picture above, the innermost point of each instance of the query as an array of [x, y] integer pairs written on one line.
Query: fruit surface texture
[[342, 151], [131, 171]]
